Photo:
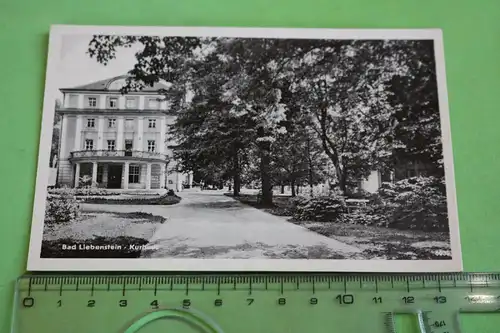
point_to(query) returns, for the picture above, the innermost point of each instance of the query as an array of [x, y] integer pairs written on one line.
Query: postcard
[[245, 149]]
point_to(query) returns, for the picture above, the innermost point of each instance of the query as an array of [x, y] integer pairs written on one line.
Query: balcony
[[117, 155]]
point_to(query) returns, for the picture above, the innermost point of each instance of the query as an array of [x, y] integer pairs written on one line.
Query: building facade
[[116, 141]]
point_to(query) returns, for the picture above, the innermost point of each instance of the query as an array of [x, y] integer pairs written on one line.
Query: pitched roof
[[103, 85]]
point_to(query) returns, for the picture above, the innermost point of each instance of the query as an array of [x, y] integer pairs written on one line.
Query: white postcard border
[[35, 263]]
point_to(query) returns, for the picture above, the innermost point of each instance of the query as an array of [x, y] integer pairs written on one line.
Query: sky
[[77, 68]]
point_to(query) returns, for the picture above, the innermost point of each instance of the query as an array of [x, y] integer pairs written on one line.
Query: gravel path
[[207, 224]]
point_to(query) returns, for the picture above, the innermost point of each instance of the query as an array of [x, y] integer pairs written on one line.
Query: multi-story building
[[118, 140]]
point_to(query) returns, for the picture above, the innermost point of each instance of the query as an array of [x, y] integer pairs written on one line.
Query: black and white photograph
[[245, 149]]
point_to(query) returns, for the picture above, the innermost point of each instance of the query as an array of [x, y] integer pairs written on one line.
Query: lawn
[[100, 235], [375, 242]]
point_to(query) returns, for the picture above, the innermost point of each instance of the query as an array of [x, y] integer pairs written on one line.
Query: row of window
[[134, 173], [89, 145], [112, 102], [129, 123]]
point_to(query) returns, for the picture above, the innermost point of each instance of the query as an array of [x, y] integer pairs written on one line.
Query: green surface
[[225, 304], [470, 28]]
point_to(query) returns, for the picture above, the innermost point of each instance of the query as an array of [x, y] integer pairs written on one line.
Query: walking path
[[210, 225]]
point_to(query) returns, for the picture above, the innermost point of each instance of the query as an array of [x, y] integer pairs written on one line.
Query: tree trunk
[[309, 166], [236, 174], [343, 182], [292, 186], [282, 189], [265, 177]]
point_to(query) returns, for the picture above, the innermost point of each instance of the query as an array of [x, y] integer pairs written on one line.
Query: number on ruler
[[440, 299], [249, 301], [186, 303], [91, 303], [345, 299], [154, 304], [123, 303], [28, 302], [409, 299], [377, 300], [218, 302]]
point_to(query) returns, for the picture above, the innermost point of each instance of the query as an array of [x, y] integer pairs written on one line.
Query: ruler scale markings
[[218, 287], [424, 299]]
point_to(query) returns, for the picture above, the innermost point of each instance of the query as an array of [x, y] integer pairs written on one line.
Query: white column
[[78, 133], [125, 175], [94, 174], [148, 176], [190, 178], [100, 132], [61, 154], [162, 175], [178, 181], [81, 101], [140, 130], [121, 102], [141, 102], [163, 105], [119, 134], [163, 130], [77, 174]]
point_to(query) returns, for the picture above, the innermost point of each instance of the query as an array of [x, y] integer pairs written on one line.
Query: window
[[133, 174], [92, 102], [151, 145], [111, 122], [91, 123], [170, 181], [129, 124], [89, 144], [152, 123], [113, 102], [100, 172], [131, 103], [111, 145], [153, 103]]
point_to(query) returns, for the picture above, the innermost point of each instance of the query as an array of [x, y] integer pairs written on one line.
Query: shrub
[[414, 203], [62, 208], [84, 191], [157, 200], [320, 209]]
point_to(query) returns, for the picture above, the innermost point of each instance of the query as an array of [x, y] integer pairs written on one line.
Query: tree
[[289, 103], [418, 131]]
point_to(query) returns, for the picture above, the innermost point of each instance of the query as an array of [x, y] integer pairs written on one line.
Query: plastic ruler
[[313, 303]]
